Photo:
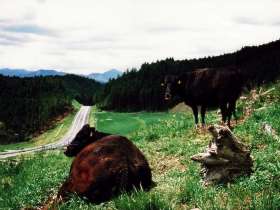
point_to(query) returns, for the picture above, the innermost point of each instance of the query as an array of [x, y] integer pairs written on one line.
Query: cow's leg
[[195, 114], [224, 112], [231, 109], [202, 113], [234, 112]]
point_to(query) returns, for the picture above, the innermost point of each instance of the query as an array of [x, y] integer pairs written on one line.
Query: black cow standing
[[208, 88]]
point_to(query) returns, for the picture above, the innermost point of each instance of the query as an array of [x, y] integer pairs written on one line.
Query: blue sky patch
[[30, 29]]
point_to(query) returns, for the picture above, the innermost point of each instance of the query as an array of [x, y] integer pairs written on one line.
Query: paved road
[[81, 118]]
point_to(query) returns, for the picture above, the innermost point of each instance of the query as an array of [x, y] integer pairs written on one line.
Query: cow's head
[[172, 85], [81, 140]]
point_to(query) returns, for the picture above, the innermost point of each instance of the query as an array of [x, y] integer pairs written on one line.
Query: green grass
[[28, 182], [127, 123], [168, 144], [56, 132]]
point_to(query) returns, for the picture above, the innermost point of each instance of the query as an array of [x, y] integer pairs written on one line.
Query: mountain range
[[100, 77], [106, 76]]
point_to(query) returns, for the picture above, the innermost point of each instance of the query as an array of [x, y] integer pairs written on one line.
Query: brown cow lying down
[[104, 166]]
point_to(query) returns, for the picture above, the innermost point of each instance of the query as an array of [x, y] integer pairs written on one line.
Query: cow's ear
[[179, 82]]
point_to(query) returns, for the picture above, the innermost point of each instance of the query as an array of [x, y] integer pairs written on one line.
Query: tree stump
[[225, 158]]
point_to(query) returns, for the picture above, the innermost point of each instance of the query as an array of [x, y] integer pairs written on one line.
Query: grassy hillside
[[168, 145]]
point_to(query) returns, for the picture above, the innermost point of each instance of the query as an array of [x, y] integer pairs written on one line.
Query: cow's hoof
[[204, 127]]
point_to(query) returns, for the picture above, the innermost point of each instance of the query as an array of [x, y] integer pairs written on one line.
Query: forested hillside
[[28, 104], [141, 90]]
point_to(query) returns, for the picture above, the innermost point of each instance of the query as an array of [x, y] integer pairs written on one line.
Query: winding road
[[81, 118]]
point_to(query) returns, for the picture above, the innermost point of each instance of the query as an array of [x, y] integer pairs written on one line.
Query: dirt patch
[[162, 164], [181, 107], [261, 146]]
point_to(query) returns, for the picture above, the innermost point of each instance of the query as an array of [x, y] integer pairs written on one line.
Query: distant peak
[[106, 76], [113, 71]]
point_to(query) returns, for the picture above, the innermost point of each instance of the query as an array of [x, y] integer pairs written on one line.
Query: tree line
[[28, 104], [140, 89]]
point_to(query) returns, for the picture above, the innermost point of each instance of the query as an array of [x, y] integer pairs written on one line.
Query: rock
[[225, 158]]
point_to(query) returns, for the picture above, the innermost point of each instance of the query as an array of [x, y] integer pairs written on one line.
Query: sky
[[85, 36]]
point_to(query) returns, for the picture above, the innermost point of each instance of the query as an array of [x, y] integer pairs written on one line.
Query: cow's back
[[213, 86]]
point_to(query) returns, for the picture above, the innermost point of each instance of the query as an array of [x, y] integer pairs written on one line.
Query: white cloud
[[90, 36]]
